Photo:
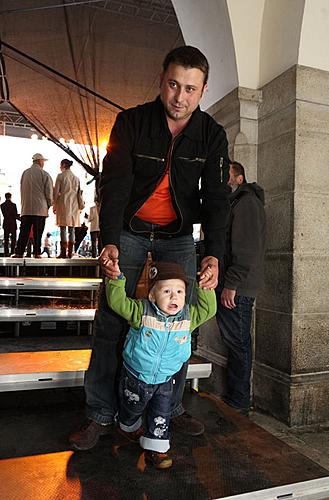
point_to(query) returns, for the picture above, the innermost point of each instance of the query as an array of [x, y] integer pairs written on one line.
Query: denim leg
[[63, 233], [101, 378], [235, 325], [71, 232], [134, 396], [158, 412], [182, 251]]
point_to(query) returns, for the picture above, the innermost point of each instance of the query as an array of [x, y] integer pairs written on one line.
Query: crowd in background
[[38, 194]]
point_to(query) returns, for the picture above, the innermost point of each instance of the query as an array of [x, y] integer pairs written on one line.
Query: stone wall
[[284, 131]]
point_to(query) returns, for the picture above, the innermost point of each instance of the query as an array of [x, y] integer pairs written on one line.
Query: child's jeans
[[135, 396]]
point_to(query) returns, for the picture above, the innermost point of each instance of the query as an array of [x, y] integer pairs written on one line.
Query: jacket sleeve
[[245, 241], [116, 180], [56, 190], [129, 309], [205, 308], [49, 190], [16, 213], [214, 193]]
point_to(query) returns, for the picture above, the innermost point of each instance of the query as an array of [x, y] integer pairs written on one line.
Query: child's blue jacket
[[157, 345]]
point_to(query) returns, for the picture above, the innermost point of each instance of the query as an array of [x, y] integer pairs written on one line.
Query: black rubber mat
[[234, 455]]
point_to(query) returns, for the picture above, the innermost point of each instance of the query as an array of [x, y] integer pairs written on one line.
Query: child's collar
[[164, 315]]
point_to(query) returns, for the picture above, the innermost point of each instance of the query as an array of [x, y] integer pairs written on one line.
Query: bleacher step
[[49, 369]]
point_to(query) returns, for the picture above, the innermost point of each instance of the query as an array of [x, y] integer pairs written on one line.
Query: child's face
[[169, 296]]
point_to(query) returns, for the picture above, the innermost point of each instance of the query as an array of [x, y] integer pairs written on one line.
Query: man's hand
[[208, 272], [109, 261], [227, 298]]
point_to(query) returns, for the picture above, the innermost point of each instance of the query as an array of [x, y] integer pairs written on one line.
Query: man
[[10, 215], [36, 199], [240, 280], [150, 194]]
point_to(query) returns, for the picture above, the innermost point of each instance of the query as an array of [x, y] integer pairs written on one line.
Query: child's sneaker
[[132, 436], [158, 460]]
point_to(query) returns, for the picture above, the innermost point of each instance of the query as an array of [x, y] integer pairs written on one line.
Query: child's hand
[[208, 273], [109, 260]]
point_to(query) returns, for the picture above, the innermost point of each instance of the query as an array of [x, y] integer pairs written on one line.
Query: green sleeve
[[205, 308], [129, 309]]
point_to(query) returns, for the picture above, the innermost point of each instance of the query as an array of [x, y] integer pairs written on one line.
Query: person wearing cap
[[36, 199], [157, 345]]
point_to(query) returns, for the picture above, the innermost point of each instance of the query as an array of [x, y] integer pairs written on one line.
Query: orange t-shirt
[[158, 208]]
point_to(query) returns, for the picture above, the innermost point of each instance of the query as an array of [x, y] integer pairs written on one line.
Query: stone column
[[291, 377], [284, 130], [238, 113]]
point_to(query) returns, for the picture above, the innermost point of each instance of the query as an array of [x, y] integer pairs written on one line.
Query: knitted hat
[[166, 271]]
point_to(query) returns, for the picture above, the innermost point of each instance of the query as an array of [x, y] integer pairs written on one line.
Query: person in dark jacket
[[10, 216], [241, 277], [163, 157]]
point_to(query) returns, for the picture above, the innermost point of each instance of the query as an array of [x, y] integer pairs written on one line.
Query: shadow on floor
[[234, 455]]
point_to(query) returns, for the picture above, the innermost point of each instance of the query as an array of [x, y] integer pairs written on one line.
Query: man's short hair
[[7, 196], [188, 57], [239, 170]]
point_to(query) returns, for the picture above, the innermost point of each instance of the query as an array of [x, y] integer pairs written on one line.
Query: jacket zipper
[[150, 157], [166, 339], [221, 161], [170, 183], [192, 160]]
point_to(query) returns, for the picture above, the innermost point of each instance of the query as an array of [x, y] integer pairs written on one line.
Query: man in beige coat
[[36, 199]]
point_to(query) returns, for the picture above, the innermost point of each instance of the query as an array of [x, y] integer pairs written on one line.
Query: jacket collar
[[160, 313], [159, 125], [36, 164]]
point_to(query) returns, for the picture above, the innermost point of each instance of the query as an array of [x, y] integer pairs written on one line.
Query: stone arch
[[206, 25], [314, 47], [280, 37]]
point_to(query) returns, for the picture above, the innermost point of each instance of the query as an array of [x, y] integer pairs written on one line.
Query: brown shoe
[[87, 436], [38, 256], [158, 460], [132, 436], [17, 256], [187, 425]]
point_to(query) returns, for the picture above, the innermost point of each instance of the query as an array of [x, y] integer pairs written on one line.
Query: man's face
[[181, 90], [234, 180], [169, 296]]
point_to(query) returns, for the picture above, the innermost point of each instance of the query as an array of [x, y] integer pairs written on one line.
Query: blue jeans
[[235, 326], [63, 233], [101, 380], [135, 397]]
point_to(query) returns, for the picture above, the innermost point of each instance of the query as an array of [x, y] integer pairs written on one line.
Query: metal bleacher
[[33, 294]]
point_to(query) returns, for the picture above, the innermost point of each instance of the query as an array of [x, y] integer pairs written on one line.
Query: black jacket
[[9, 212], [139, 148], [243, 268]]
